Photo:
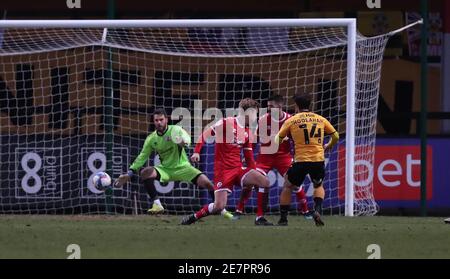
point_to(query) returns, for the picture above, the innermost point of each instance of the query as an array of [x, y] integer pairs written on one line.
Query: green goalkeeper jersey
[[170, 153]]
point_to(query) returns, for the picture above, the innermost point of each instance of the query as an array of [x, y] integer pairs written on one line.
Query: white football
[[102, 180]]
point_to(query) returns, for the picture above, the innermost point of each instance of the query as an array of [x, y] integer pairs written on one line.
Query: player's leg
[[254, 177], [263, 165], [261, 206], [282, 165], [262, 200], [301, 198], [148, 176], [285, 201], [220, 201], [251, 177], [243, 198], [303, 203], [223, 183], [317, 174], [203, 181], [294, 176], [189, 173], [247, 191]]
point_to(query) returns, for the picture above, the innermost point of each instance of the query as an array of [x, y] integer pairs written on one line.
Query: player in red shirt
[[270, 157], [232, 135]]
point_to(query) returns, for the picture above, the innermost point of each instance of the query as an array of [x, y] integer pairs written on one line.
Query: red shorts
[[265, 163], [224, 180]]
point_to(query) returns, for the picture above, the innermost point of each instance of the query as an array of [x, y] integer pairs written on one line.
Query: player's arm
[[182, 137], [283, 133], [330, 131], [140, 160], [334, 139], [209, 132]]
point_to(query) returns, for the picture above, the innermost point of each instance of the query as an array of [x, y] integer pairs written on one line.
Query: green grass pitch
[[38, 236]]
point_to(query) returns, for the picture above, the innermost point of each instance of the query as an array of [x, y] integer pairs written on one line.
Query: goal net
[[75, 101]]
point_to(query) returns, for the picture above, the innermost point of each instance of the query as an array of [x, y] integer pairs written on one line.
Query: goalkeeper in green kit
[[168, 141]]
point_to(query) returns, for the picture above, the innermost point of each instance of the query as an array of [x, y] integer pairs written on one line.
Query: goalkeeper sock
[[205, 211], [262, 200], [149, 185], [158, 202], [245, 195], [301, 198], [284, 209]]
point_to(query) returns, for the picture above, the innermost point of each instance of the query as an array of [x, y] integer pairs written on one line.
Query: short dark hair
[[160, 111], [276, 98], [303, 101], [248, 103]]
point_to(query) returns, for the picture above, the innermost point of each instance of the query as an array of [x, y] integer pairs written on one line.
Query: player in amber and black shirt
[[307, 130]]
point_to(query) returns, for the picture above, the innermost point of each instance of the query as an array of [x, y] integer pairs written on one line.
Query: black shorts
[[297, 172]]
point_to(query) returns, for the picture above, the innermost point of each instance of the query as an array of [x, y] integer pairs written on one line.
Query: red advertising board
[[395, 174]]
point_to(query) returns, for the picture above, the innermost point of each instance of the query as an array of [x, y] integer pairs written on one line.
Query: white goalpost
[[77, 95], [350, 118]]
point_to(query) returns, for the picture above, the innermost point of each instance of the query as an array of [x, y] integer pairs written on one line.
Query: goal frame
[[348, 23]]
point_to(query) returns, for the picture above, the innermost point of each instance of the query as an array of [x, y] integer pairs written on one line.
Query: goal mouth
[[77, 100]]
